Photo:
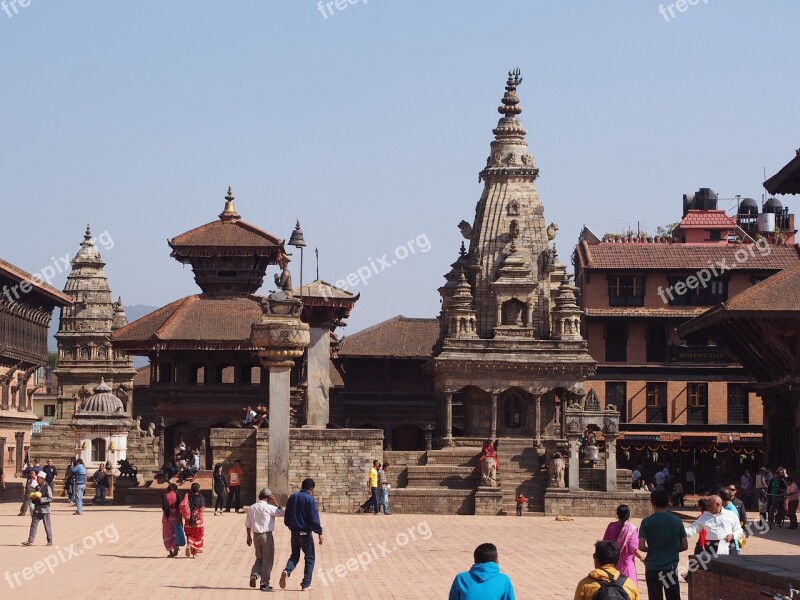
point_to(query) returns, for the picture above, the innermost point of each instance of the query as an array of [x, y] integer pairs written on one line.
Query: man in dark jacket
[[40, 500], [302, 519]]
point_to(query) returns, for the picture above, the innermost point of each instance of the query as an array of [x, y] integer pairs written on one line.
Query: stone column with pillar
[[537, 420], [610, 434], [573, 433], [281, 337], [324, 307], [448, 424], [493, 430]]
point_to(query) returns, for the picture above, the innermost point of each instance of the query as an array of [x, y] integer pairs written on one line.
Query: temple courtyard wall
[[338, 460]]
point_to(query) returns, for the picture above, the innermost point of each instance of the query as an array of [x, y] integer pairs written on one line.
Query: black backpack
[[612, 590]]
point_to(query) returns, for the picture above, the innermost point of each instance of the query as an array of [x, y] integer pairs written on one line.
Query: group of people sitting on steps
[[184, 464]]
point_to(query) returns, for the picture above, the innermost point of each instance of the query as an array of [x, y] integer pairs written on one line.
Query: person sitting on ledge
[[170, 469], [249, 415], [261, 418]]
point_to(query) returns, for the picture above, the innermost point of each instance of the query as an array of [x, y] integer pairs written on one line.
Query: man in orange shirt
[[235, 486]]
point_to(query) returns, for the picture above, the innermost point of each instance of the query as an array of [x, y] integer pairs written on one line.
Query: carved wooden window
[[616, 394], [626, 290], [656, 402], [697, 398], [738, 403]]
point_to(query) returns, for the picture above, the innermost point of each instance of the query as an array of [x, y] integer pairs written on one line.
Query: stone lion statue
[[151, 430], [557, 466]]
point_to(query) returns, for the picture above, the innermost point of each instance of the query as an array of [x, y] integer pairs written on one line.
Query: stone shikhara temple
[[510, 350]]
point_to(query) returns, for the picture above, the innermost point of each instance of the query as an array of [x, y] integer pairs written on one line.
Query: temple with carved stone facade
[[510, 352]]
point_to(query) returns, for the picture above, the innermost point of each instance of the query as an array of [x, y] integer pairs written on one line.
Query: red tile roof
[[16, 274], [779, 293], [197, 321], [775, 296], [226, 233], [399, 336], [707, 219], [664, 256], [142, 377]]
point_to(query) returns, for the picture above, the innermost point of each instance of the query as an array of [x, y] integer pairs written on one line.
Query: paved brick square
[[116, 552]]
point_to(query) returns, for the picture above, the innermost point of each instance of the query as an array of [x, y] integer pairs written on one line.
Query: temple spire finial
[[510, 99], [88, 234], [229, 214]]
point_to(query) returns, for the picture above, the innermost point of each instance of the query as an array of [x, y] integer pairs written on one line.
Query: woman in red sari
[[170, 505], [192, 507], [626, 535]]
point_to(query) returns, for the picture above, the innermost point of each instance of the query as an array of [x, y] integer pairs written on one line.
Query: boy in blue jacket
[[483, 581]]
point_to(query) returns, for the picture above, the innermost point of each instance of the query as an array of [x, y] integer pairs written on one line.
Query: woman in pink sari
[[192, 507], [170, 505], [626, 535]]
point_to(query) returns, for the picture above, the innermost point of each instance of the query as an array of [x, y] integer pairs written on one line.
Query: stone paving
[[116, 552]]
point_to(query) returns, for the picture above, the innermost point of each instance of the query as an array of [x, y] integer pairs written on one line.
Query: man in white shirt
[[722, 527], [260, 524], [249, 415]]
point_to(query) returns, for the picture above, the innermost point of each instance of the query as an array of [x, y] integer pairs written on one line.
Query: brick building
[[683, 401]]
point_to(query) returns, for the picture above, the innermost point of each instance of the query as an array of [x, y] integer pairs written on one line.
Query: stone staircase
[[447, 480], [520, 471]]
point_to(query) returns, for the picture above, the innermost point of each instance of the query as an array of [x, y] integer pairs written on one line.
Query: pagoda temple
[[510, 352], [202, 367]]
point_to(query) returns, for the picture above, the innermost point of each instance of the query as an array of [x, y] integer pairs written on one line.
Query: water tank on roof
[[702, 199], [766, 222], [748, 206], [773, 205], [705, 199]]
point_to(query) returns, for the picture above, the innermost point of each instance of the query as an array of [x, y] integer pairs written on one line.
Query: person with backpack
[[604, 582]]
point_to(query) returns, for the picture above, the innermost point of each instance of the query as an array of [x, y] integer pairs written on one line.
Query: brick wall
[[677, 401], [742, 578], [338, 460], [596, 504]]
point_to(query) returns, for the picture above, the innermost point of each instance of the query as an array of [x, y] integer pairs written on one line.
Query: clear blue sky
[[371, 125]]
